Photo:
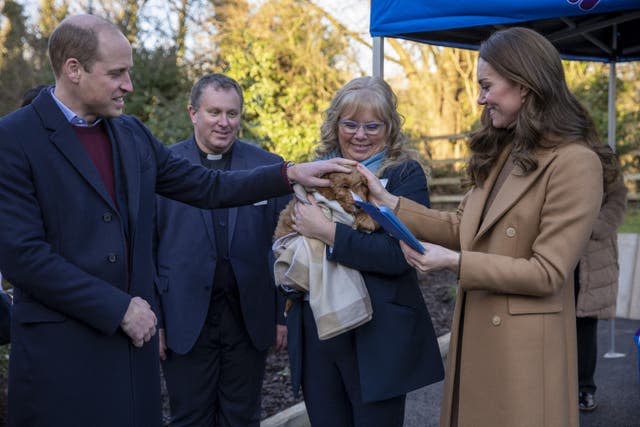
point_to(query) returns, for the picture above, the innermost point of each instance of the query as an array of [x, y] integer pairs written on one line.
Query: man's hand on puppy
[[139, 321], [308, 174]]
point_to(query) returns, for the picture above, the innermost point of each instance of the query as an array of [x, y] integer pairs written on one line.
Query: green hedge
[[631, 222]]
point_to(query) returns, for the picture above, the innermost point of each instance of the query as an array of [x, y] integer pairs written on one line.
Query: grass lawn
[[631, 222]]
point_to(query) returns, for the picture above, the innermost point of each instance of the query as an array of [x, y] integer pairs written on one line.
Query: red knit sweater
[[96, 141]]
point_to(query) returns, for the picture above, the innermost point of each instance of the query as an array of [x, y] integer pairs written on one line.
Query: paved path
[[618, 392]]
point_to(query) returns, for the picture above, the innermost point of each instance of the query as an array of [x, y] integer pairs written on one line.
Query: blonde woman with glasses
[[361, 377]]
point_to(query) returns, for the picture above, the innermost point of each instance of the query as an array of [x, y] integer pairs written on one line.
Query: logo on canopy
[[585, 4]]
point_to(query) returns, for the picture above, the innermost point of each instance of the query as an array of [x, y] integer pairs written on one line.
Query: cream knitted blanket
[[337, 294]]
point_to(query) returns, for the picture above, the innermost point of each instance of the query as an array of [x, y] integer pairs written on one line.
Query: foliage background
[[290, 56]]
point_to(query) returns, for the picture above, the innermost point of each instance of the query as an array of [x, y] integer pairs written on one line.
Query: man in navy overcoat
[[77, 196]]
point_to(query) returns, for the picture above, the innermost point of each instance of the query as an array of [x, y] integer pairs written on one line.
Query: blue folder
[[392, 225]]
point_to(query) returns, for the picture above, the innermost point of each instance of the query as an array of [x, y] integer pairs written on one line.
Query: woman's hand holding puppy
[[377, 193], [310, 221]]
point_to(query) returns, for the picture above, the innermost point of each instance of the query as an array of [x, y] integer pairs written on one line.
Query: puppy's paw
[[365, 223]]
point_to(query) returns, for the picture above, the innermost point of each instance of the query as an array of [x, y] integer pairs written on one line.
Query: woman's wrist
[[329, 233], [389, 200], [323, 230], [456, 259]]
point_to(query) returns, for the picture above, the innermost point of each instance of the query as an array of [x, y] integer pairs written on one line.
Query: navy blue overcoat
[[76, 259], [397, 349]]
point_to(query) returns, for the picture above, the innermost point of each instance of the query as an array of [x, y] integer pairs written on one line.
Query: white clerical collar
[[214, 156]]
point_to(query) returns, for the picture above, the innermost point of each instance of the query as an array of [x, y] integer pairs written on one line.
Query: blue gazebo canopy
[[592, 30]]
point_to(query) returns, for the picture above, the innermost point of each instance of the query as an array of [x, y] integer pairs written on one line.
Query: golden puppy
[[342, 184]]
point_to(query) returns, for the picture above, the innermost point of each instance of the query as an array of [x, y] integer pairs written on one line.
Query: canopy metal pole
[[378, 57], [612, 353], [611, 130], [611, 139]]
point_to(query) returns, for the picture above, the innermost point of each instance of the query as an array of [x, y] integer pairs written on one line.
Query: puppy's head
[[342, 184]]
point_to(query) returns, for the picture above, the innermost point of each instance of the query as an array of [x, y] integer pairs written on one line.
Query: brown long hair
[[550, 115]]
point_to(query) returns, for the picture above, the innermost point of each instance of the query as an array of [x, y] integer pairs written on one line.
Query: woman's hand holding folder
[[420, 255], [378, 195]]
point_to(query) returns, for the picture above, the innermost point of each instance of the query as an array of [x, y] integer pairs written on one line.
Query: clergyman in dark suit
[[219, 305], [77, 198]]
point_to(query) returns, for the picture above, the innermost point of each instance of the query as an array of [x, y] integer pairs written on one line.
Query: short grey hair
[[218, 81]]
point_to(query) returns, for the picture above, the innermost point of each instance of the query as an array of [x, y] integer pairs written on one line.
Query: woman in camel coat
[[515, 240]]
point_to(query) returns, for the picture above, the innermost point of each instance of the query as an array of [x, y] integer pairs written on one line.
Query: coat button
[[511, 232], [106, 217], [112, 258], [496, 320]]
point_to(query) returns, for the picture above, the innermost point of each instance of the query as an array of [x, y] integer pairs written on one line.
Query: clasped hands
[[139, 321]]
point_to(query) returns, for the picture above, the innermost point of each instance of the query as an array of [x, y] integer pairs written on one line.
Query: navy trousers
[[587, 332], [331, 383], [218, 383]]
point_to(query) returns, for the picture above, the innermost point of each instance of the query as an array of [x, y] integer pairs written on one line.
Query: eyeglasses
[[370, 128]]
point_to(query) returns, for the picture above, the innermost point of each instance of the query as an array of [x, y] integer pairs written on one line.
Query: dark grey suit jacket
[[187, 256]]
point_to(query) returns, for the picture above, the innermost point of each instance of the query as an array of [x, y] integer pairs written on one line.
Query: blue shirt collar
[[72, 117]]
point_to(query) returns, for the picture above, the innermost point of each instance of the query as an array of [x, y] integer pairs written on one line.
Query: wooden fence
[[447, 191]]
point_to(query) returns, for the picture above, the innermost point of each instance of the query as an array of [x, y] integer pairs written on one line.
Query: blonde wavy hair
[[375, 94]]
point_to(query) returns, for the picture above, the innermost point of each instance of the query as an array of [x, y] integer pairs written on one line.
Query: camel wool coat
[[512, 357]]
